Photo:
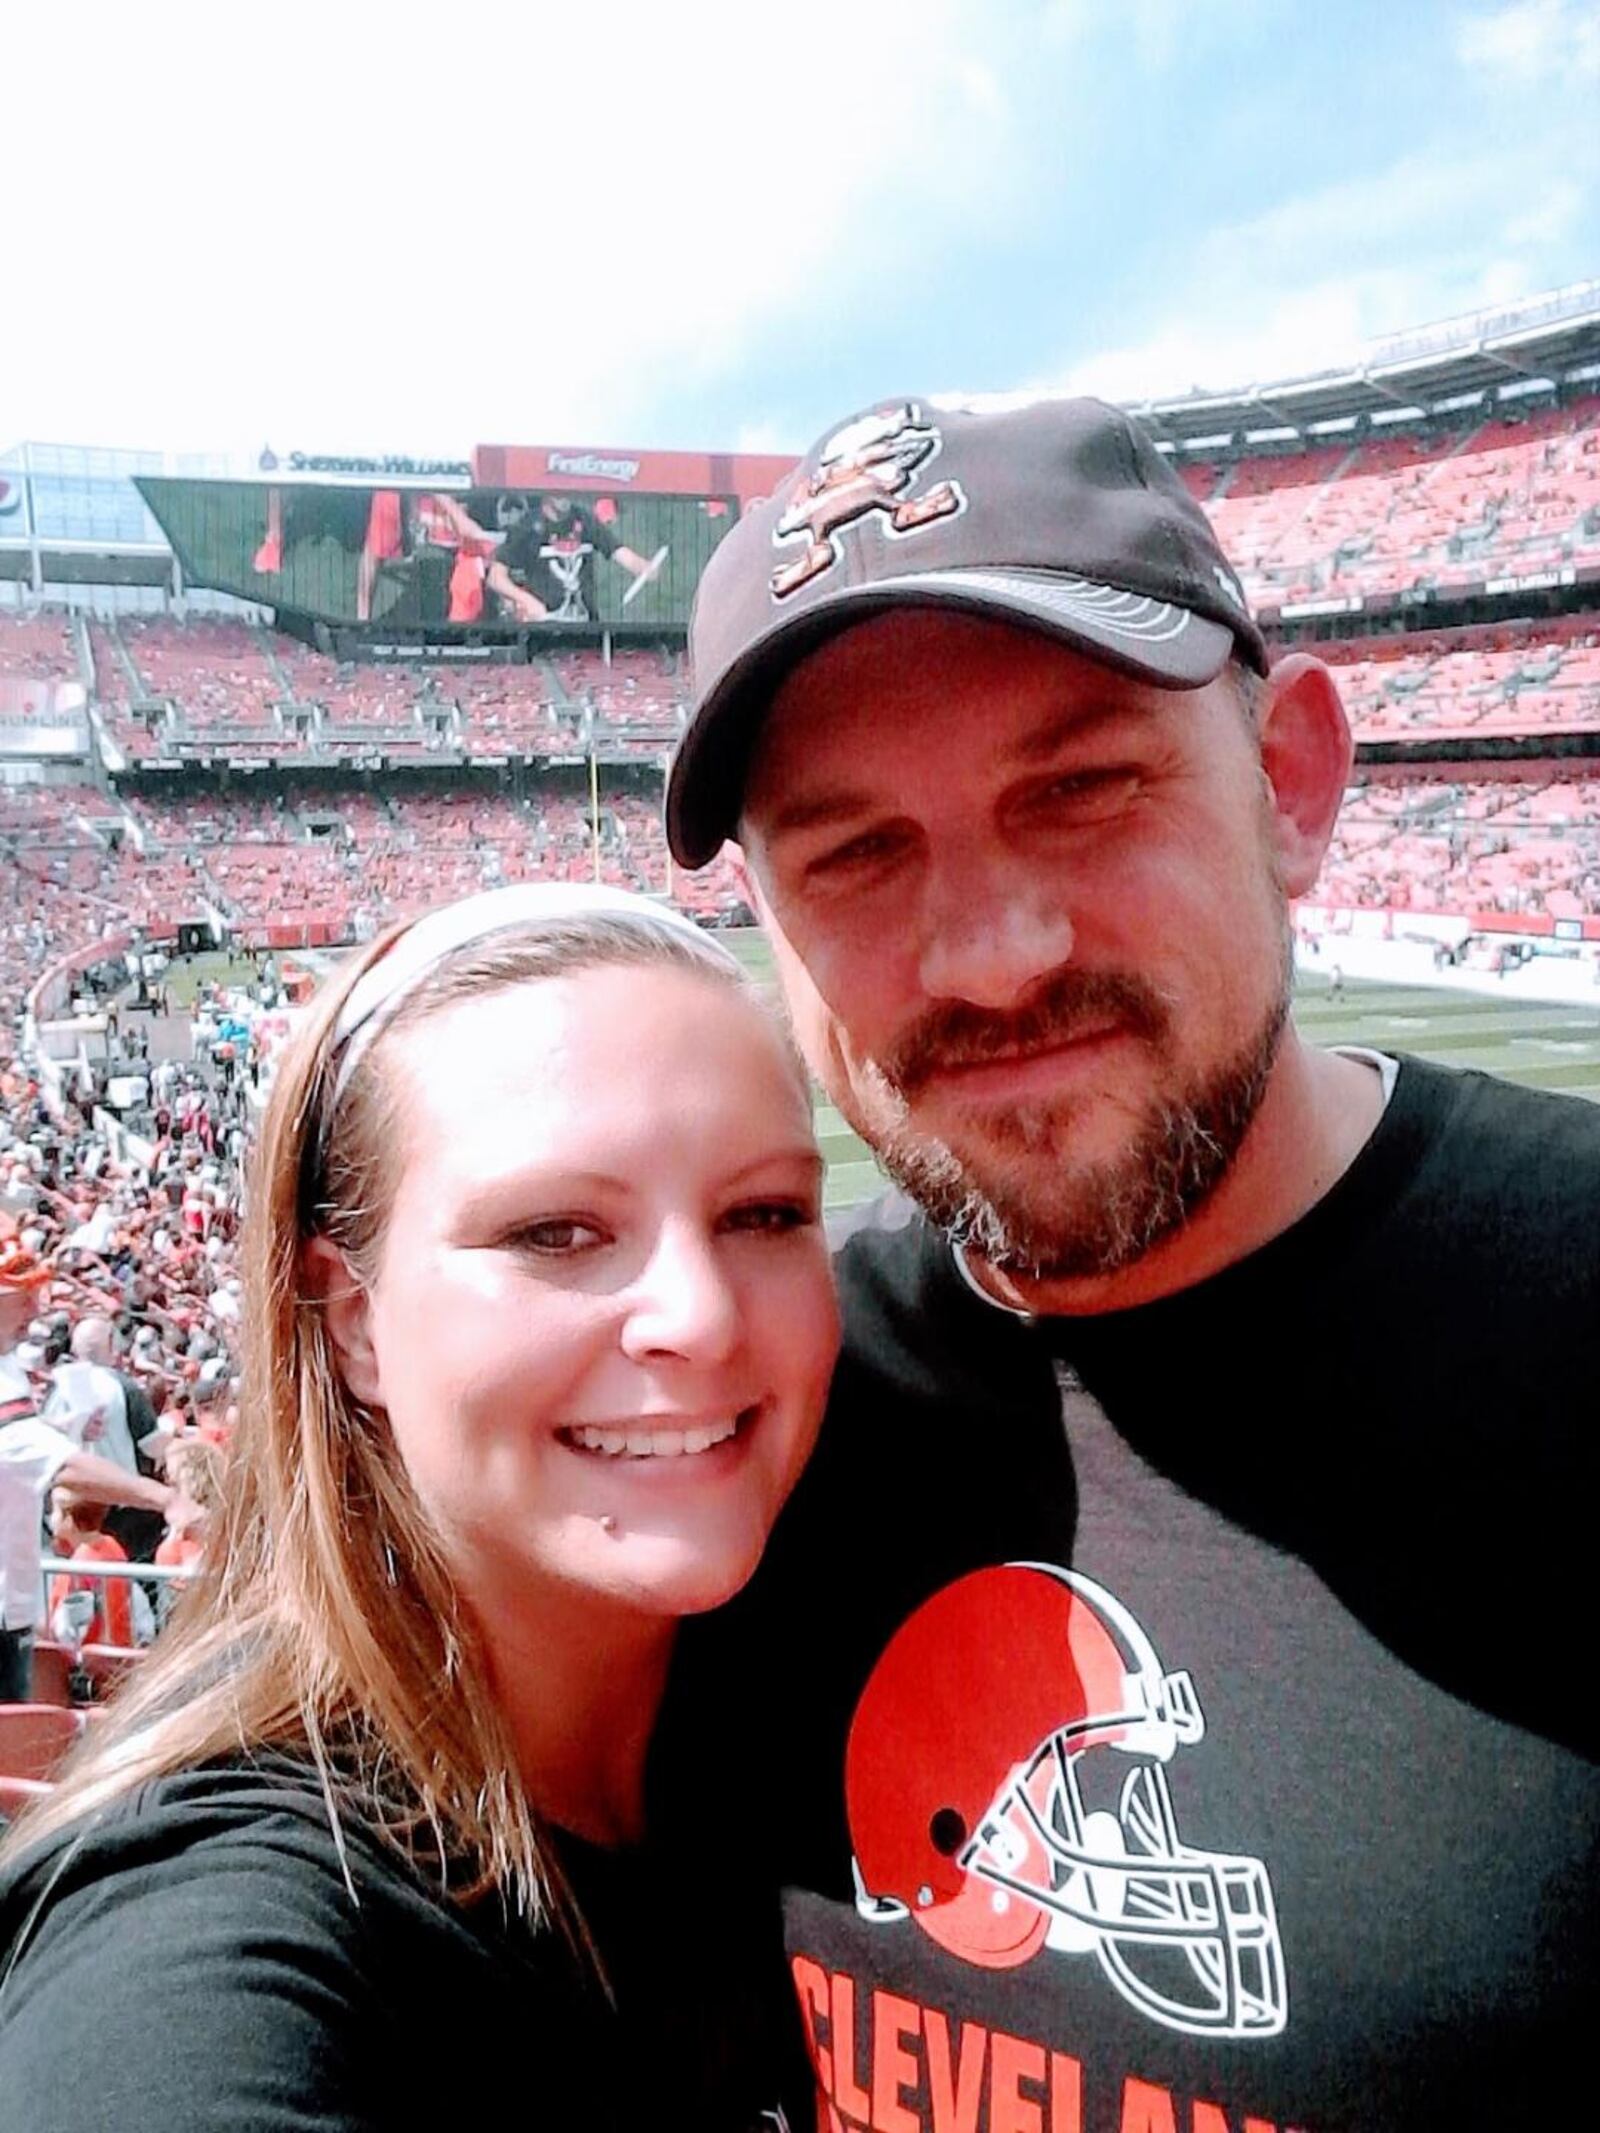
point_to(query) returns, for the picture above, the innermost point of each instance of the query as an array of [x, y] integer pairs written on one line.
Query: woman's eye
[[771, 1216], [558, 1234]]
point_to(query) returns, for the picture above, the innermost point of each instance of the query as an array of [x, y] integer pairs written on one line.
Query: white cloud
[[979, 87], [1304, 285], [764, 434], [1533, 41], [1064, 22], [351, 241], [1205, 354], [1158, 27], [1505, 281], [1151, 35], [1546, 221], [557, 227]]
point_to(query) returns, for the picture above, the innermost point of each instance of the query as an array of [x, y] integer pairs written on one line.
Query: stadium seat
[[304, 862], [52, 1674], [34, 1737], [17, 1793], [106, 1664]]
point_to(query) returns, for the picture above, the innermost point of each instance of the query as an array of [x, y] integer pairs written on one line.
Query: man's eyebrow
[[820, 810], [1054, 734]]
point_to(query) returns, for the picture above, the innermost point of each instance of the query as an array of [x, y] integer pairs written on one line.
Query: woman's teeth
[[651, 1443]]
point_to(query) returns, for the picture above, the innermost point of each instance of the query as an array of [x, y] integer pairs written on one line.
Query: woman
[[538, 1328]]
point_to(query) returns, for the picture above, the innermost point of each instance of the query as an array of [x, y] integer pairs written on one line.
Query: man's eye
[[1089, 792], [865, 850]]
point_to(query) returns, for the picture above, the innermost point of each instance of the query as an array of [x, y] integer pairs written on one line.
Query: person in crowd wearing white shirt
[[36, 1455]]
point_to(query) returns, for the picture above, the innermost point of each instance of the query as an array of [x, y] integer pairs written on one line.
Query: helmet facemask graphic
[[1074, 1845]]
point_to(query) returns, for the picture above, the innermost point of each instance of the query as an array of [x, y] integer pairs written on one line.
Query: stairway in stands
[[280, 673], [558, 689]]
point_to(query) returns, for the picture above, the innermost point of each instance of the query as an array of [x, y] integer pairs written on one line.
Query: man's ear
[[743, 873], [1306, 752], [347, 1313]]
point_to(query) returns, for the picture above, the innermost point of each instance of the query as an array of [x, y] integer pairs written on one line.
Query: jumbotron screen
[[434, 558]]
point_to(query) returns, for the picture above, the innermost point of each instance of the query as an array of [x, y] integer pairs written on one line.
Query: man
[[36, 1456], [121, 1420], [544, 567], [87, 1609], [430, 544], [1166, 1678]]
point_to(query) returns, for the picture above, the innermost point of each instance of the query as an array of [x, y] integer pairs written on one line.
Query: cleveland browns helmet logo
[[1007, 1787], [869, 467]]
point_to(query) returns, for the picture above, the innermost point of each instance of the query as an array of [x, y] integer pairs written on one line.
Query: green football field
[[1547, 1047]]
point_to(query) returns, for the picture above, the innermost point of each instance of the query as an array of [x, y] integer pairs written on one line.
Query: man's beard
[[1043, 1217]]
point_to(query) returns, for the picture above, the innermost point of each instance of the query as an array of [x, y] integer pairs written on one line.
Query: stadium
[[269, 708], [250, 714]]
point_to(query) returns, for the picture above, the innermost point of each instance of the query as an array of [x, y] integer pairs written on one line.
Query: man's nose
[[989, 935]]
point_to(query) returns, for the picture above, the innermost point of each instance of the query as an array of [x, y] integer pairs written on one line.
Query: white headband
[[378, 992]]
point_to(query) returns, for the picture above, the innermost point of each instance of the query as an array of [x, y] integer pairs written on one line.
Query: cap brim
[[1150, 639]]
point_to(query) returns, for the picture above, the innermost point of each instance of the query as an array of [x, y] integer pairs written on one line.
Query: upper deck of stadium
[[1429, 518], [1286, 465]]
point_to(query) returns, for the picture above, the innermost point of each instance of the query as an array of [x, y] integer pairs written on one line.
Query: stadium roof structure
[[1484, 361]]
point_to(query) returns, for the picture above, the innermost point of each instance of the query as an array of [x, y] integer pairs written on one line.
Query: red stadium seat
[[34, 1737], [52, 1674], [106, 1664], [17, 1793]]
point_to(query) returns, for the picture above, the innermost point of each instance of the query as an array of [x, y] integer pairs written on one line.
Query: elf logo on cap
[[871, 466]]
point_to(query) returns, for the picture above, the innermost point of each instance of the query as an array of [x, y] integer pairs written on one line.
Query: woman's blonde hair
[[325, 1619], [198, 1469]]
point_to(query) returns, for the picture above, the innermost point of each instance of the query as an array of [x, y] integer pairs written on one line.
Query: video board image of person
[[430, 546], [420, 555], [544, 569], [310, 543]]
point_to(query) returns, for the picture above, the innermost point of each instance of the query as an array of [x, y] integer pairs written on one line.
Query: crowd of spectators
[[220, 672], [1505, 497], [324, 864], [127, 1229], [1504, 680], [1527, 846], [163, 685], [38, 647]]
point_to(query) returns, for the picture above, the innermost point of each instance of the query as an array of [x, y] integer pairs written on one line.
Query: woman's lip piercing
[[607, 1523]]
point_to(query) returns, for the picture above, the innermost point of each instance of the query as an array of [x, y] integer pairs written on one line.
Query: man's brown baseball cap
[[1060, 515]]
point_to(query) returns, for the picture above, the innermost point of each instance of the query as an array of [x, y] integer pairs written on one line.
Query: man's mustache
[[1061, 1007]]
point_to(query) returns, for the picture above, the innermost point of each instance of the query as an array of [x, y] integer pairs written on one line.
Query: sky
[[725, 224]]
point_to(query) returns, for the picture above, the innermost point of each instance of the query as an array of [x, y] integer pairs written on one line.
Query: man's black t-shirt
[[1178, 1721], [553, 558], [199, 1961], [140, 1532]]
